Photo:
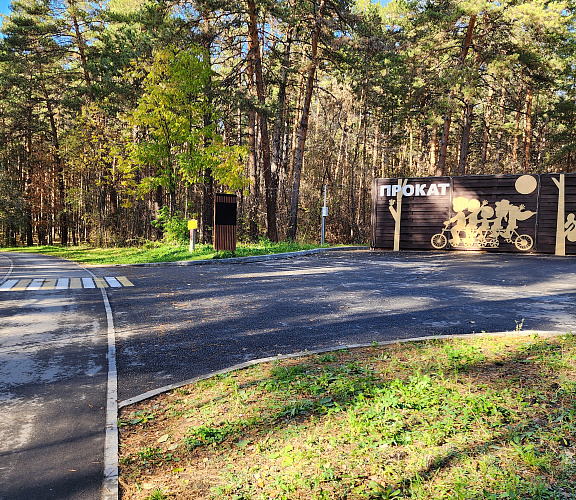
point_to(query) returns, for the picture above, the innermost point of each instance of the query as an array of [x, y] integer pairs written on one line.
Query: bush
[[174, 227]]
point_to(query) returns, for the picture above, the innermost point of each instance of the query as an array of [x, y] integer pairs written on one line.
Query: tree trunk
[[254, 58], [498, 156], [448, 118], [486, 133], [444, 144], [465, 142], [517, 131], [58, 164], [528, 130], [542, 140], [279, 130], [375, 150], [303, 127], [433, 148], [208, 184], [28, 180], [81, 45]]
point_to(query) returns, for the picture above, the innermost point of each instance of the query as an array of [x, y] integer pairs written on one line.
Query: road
[[53, 374], [179, 322]]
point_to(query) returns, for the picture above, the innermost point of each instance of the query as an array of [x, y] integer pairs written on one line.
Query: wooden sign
[[192, 224], [504, 213]]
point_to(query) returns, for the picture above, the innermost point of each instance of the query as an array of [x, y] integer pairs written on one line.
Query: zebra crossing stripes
[[50, 284], [88, 283], [62, 284], [7, 285], [35, 285], [22, 285]]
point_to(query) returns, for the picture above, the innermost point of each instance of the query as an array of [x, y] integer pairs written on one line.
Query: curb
[[9, 272], [110, 484], [247, 364], [239, 260]]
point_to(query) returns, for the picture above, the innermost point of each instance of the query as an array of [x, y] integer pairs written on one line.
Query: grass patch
[[483, 418], [159, 252]]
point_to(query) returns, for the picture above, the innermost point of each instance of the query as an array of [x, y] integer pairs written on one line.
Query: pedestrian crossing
[[38, 284]]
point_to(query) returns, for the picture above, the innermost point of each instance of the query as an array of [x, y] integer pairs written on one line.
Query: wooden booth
[[503, 213], [225, 222]]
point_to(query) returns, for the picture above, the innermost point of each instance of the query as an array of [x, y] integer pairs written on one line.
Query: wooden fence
[[504, 213]]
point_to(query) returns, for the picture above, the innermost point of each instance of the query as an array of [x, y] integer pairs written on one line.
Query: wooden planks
[[225, 222], [503, 213]]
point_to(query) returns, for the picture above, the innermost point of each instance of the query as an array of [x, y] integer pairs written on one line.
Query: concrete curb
[[110, 485], [239, 260], [247, 364], [9, 272]]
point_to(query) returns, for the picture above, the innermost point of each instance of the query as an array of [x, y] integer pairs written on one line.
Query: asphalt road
[[181, 322], [53, 375], [178, 322]]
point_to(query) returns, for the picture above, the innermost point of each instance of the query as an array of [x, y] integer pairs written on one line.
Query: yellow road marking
[[75, 283], [22, 285], [49, 285], [100, 283], [125, 281]]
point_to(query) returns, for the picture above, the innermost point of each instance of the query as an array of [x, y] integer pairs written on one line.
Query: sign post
[[324, 215], [193, 226]]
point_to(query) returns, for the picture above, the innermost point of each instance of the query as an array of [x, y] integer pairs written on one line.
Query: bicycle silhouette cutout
[[484, 225]]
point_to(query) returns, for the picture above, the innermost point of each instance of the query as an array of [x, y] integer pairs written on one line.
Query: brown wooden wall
[[505, 213]]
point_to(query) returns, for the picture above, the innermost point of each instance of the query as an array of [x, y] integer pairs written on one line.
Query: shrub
[[174, 227]]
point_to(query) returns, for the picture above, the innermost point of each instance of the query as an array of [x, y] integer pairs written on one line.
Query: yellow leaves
[[163, 439]]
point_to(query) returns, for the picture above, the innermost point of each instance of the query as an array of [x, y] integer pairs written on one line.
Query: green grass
[[159, 252], [482, 418]]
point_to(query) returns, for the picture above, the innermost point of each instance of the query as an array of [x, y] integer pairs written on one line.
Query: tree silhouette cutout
[[397, 213]]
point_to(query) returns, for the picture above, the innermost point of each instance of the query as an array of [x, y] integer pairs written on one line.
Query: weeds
[[461, 419]]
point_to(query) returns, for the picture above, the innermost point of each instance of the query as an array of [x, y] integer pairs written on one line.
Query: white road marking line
[[36, 284], [9, 272], [8, 285], [63, 284], [110, 482], [113, 282], [88, 283]]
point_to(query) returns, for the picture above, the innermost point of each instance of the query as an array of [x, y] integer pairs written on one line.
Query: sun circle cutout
[[526, 184]]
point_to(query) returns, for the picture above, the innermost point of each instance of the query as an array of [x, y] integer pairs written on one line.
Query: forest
[[121, 120]]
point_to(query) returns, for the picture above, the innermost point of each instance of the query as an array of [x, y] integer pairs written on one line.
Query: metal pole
[[324, 210], [192, 247]]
